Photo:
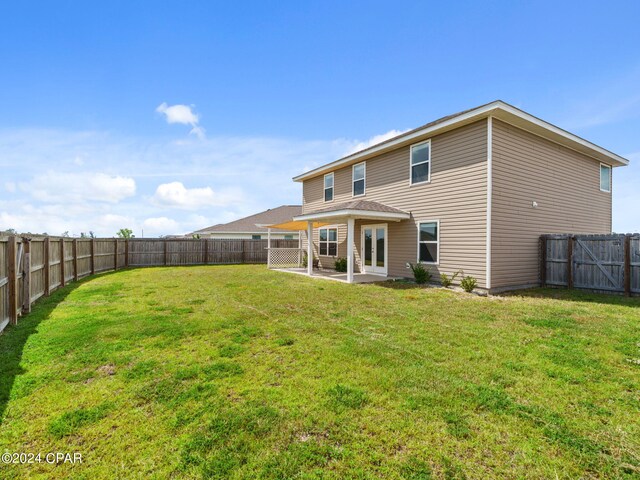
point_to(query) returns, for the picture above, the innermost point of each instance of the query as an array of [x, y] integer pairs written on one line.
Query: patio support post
[[268, 248], [310, 248], [350, 234]]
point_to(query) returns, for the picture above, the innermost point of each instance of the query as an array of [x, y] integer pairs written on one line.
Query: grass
[[239, 372]]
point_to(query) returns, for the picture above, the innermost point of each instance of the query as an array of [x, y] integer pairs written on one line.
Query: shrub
[[446, 281], [468, 284], [341, 264], [421, 274], [316, 262]]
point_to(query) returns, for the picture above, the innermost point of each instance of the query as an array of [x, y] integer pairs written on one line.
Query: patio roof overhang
[[360, 209], [293, 225]]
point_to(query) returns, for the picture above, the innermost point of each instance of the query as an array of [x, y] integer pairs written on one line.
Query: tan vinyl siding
[[564, 183], [456, 196]]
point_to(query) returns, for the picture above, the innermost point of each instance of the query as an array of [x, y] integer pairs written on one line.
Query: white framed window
[[256, 237], [288, 237], [420, 160], [359, 173], [605, 178], [328, 241], [429, 242], [328, 187]]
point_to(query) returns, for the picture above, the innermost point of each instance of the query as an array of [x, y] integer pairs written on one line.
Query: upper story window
[[359, 174], [421, 162], [428, 242], [328, 187], [329, 241], [605, 178]]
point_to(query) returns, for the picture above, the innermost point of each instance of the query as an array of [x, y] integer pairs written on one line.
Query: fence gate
[[595, 262], [598, 262]]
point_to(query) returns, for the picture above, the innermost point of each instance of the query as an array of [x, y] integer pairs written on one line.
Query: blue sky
[[170, 116]]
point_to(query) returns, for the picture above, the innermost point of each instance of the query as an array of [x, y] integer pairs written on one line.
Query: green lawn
[[239, 372]]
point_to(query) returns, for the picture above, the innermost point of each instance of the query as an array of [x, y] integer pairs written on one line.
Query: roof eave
[[353, 213], [500, 110]]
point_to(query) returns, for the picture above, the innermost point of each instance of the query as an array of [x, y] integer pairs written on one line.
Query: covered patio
[[292, 259], [338, 276]]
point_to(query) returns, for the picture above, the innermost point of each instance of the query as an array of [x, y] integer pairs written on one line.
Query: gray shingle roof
[[364, 205], [250, 224]]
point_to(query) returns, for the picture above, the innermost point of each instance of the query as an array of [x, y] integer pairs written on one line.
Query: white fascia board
[[364, 214], [595, 150], [405, 138], [493, 108]]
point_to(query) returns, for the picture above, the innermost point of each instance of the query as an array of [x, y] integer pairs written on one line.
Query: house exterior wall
[[456, 196], [564, 183]]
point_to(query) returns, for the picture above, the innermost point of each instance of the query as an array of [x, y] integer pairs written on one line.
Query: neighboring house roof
[[497, 109], [255, 223], [359, 208]]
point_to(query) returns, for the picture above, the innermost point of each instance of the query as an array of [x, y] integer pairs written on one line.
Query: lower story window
[[428, 242], [256, 237], [288, 237], [329, 241]]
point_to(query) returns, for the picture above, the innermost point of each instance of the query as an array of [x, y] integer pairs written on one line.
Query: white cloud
[[10, 187], [184, 115], [79, 187], [374, 141], [159, 226], [176, 195]]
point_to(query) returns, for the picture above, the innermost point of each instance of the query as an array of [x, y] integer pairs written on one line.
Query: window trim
[[437, 242], [353, 179], [325, 188], [411, 164], [327, 241], [610, 177]]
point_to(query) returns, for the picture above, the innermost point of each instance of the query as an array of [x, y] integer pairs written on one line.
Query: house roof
[[497, 109], [356, 209], [256, 223]]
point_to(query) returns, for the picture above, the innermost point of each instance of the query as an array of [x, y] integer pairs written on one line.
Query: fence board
[[4, 284], [634, 262]]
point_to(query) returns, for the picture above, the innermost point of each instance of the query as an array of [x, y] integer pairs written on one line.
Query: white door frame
[[373, 268]]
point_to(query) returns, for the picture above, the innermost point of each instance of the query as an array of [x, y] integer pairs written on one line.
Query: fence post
[[126, 252], [62, 259], [206, 251], [75, 259], [47, 266], [243, 249], [12, 273], [115, 254], [93, 256], [26, 275], [165, 251], [627, 265], [543, 261], [570, 241]]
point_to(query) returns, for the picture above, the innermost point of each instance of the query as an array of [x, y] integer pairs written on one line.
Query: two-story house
[[472, 192]]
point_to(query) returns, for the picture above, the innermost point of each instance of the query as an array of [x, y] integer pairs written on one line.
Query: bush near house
[[340, 264], [241, 372], [421, 274]]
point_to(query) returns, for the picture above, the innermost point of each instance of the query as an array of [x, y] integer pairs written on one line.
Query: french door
[[374, 249]]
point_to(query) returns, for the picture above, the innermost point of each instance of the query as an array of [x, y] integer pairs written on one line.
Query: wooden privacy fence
[[34, 267], [610, 263]]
